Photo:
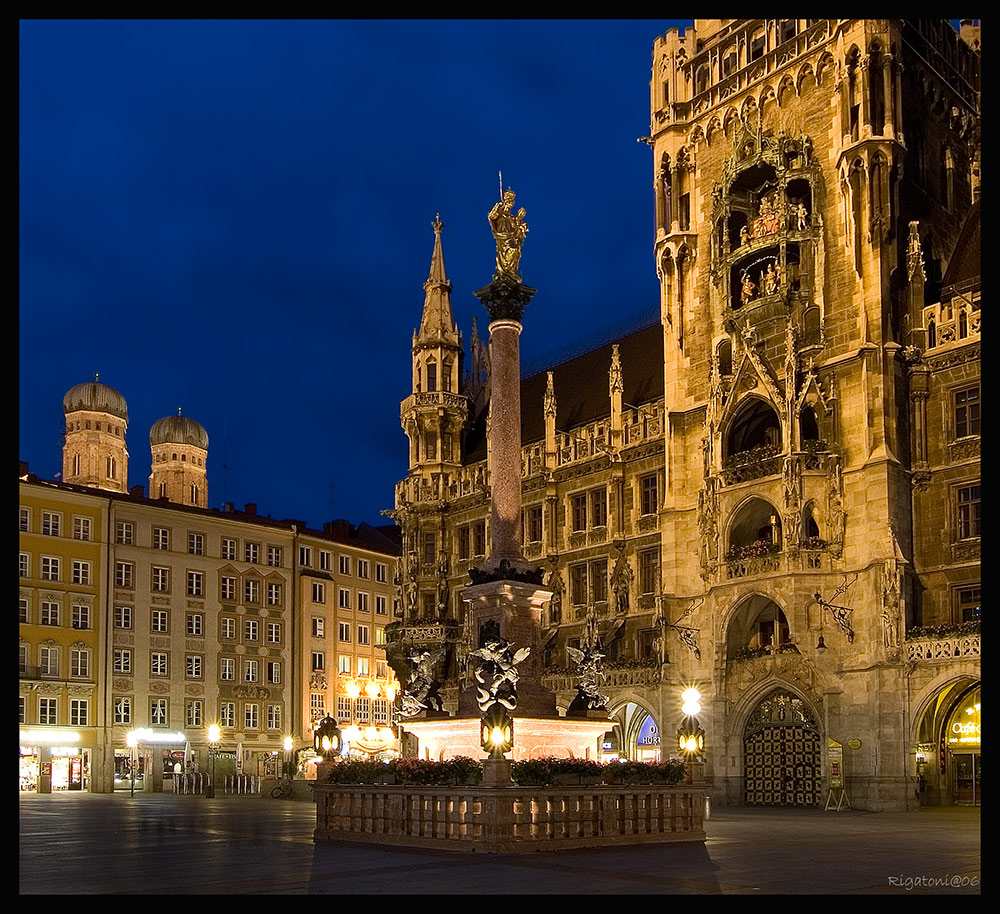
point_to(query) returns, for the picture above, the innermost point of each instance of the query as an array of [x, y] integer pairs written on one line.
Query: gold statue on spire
[[508, 232]]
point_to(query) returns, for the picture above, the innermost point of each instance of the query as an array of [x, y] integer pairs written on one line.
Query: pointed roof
[[437, 323]]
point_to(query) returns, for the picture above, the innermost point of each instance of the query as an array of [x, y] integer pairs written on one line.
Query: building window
[[967, 412], [227, 713], [379, 636], [578, 512], [51, 523], [158, 715], [24, 564], [479, 538], [317, 705], [229, 549], [362, 602], [79, 663], [344, 598], [195, 625], [578, 584], [123, 710], [344, 632], [196, 584], [124, 575], [464, 542], [599, 582], [193, 713], [380, 711], [161, 538], [344, 664], [305, 556], [227, 669], [78, 712], [318, 661], [251, 670], [51, 568], [274, 556], [364, 634], [23, 614], [81, 528], [80, 616], [228, 628], [196, 544], [24, 519], [344, 563], [381, 605], [274, 717], [123, 661], [228, 588], [649, 571], [251, 716], [123, 617], [274, 672], [251, 629], [648, 500], [81, 572], [363, 567], [47, 711], [49, 613], [430, 551], [274, 633], [381, 572], [160, 579], [251, 591], [598, 508], [969, 604], [193, 666], [318, 627], [48, 661], [533, 525], [251, 553], [158, 663], [970, 512], [273, 594], [159, 621], [318, 592], [344, 711]]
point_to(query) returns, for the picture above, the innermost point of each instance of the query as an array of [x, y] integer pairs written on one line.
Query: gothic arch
[[713, 129], [787, 85], [805, 73], [754, 421], [747, 703], [627, 717], [750, 522], [825, 63]]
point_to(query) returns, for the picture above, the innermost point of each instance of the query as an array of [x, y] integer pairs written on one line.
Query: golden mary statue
[[508, 231]]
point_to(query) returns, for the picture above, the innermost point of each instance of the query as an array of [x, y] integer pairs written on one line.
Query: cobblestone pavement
[[158, 844]]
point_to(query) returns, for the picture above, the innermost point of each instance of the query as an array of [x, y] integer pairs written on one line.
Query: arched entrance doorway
[[781, 753], [638, 733], [949, 748]]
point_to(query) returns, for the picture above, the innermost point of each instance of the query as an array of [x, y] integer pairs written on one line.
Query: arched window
[[963, 323], [431, 376], [725, 356], [808, 426], [111, 466], [931, 335]]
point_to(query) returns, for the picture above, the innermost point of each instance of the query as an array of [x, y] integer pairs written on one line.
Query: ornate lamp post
[[327, 739], [214, 735], [690, 735]]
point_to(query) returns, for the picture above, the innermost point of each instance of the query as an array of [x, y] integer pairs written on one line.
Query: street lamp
[[690, 736], [327, 738], [131, 740], [497, 731], [287, 766], [214, 734]]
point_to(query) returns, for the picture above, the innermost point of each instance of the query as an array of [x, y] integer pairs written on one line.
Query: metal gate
[[781, 754]]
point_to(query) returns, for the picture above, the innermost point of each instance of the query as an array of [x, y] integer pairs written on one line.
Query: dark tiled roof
[[581, 388], [966, 260]]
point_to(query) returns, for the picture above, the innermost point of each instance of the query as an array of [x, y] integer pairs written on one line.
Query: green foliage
[[546, 771], [419, 772]]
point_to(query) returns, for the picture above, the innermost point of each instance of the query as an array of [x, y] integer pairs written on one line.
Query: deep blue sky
[[235, 217]]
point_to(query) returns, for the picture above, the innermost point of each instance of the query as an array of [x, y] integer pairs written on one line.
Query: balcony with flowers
[[949, 641]]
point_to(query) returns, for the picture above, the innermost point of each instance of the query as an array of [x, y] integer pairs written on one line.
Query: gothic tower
[[179, 451], [94, 452]]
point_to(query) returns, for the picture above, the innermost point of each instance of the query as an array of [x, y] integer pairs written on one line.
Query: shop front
[[54, 760], [962, 745]]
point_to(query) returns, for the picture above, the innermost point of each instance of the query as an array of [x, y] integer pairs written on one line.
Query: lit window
[[967, 412]]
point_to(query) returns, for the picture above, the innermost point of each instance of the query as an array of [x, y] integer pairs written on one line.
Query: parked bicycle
[[284, 790]]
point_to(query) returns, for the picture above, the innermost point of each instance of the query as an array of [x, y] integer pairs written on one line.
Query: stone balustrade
[[946, 648], [509, 819]]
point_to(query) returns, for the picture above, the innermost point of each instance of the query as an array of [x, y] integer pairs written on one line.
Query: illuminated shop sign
[[965, 727], [649, 735]]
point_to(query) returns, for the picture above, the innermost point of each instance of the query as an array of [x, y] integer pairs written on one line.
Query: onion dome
[[178, 430], [96, 397]]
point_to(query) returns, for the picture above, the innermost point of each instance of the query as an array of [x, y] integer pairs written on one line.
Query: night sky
[[235, 218]]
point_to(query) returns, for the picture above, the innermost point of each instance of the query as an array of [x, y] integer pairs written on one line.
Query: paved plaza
[[77, 843]]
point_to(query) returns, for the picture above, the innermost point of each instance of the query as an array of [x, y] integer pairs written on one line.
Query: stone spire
[[437, 323]]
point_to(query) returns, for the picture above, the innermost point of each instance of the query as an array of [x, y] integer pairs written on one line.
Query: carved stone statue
[[496, 669], [588, 696], [508, 232], [421, 688]]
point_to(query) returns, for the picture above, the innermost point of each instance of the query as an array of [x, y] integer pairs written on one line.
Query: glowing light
[[353, 689], [692, 702], [287, 744], [44, 737], [371, 690], [390, 691], [214, 733], [496, 737]]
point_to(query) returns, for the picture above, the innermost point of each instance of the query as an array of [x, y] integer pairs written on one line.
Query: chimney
[[227, 507], [137, 491], [341, 528], [250, 509]]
